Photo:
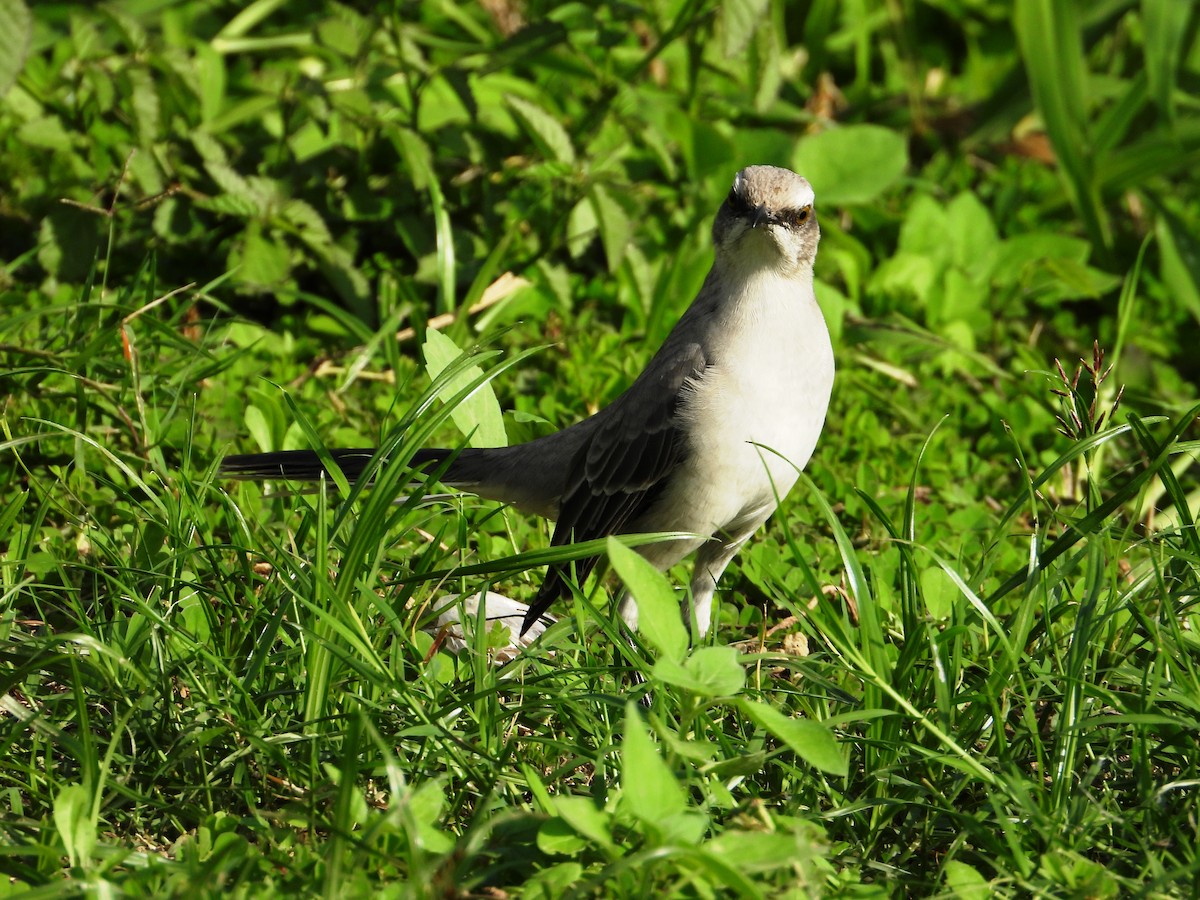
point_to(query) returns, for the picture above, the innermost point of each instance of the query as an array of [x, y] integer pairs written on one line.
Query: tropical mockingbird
[[707, 439]]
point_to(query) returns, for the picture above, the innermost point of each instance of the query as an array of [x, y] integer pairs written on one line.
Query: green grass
[[960, 661]]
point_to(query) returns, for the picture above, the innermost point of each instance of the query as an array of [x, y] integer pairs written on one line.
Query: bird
[[706, 441]]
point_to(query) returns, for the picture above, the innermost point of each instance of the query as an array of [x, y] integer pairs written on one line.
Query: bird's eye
[[797, 217], [735, 200]]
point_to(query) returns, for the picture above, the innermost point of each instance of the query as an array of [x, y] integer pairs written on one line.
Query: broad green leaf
[[811, 741], [708, 672], [582, 814], [907, 275], [761, 851], [972, 233], [1018, 256], [965, 882], [719, 668], [47, 133], [73, 819], [743, 765], [192, 608], [259, 428], [853, 164], [338, 265], [925, 229], [682, 829], [938, 591], [1059, 279], [696, 750], [261, 260], [16, 24], [649, 789], [553, 881], [478, 417], [427, 804], [557, 836], [545, 130], [659, 620]]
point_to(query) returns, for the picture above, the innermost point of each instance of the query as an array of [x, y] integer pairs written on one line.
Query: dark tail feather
[[305, 465], [555, 587]]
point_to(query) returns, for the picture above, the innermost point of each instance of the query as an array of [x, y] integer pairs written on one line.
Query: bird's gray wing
[[620, 470]]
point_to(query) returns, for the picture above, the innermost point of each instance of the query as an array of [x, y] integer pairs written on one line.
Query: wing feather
[[623, 467]]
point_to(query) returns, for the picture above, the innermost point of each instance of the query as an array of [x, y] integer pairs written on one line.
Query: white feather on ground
[[497, 608]]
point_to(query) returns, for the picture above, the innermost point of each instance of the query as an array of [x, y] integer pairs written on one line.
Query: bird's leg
[[711, 560], [628, 610]]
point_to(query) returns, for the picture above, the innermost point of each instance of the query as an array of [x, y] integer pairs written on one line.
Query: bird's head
[[767, 221]]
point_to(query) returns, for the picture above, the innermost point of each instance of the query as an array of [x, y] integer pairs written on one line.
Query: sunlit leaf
[[659, 620], [17, 27], [648, 786], [852, 164], [809, 740], [546, 130], [478, 417]]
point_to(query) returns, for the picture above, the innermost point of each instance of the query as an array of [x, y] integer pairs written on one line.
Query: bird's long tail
[[305, 465]]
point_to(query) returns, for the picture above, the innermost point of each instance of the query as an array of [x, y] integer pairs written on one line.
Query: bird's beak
[[762, 216]]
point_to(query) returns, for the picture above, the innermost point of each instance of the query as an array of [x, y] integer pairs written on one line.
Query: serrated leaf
[[337, 264], [649, 789], [614, 226], [418, 158], [659, 621], [545, 130], [308, 223], [739, 20], [811, 741], [209, 66], [145, 103], [582, 226], [46, 132], [16, 24], [851, 165], [478, 417], [261, 261], [228, 204]]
